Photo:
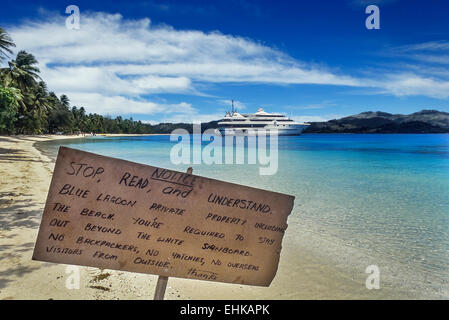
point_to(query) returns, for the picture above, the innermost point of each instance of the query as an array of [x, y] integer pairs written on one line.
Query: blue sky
[[185, 60]]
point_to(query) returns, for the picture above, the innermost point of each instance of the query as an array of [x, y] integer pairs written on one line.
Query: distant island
[[425, 121]]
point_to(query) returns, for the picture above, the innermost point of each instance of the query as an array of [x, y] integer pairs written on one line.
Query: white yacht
[[237, 123]]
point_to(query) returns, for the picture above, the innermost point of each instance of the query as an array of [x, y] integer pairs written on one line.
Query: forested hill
[[425, 121]]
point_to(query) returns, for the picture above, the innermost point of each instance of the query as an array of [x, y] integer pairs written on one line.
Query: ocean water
[[376, 199]]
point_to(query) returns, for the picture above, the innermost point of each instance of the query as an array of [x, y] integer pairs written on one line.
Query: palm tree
[[65, 100], [18, 96], [79, 118], [5, 44], [21, 72], [39, 99]]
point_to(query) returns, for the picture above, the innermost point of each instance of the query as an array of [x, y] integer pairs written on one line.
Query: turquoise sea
[[377, 199]]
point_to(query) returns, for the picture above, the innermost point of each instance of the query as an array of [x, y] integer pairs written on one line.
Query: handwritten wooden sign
[[115, 214]]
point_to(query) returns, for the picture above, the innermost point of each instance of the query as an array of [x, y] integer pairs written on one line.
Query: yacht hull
[[296, 131]]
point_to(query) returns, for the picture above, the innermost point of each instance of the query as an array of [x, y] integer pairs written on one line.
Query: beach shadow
[[8, 155], [4, 283], [32, 138], [15, 251], [20, 215], [20, 158], [11, 155], [8, 139], [19, 271], [8, 151], [13, 255]]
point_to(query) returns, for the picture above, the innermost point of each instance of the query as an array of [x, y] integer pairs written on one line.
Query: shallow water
[[374, 199]]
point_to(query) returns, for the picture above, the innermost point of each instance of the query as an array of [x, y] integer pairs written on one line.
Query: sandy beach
[[25, 179]]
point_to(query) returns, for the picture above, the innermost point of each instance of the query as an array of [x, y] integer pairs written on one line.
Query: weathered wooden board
[[115, 214]]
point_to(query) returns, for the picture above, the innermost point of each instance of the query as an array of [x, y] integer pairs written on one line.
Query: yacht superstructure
[[237, 123]]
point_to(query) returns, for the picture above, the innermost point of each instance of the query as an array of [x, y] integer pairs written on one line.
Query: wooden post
[[160, 288], [163, 280]]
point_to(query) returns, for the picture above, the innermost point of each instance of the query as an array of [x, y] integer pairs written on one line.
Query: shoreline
[[26, 174]]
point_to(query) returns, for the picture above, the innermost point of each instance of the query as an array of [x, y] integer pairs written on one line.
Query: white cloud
[[116, 104], [441, 59], [411, 84], [193, 117], [321, 118], [313, 106], [365, 3], [428, 53], [427, 73], [152, 122], [425, 46], [114, 65], [238, 105], [110, 58]]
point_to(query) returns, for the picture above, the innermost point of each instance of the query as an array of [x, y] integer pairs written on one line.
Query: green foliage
[[6, 44], [8, 110]]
